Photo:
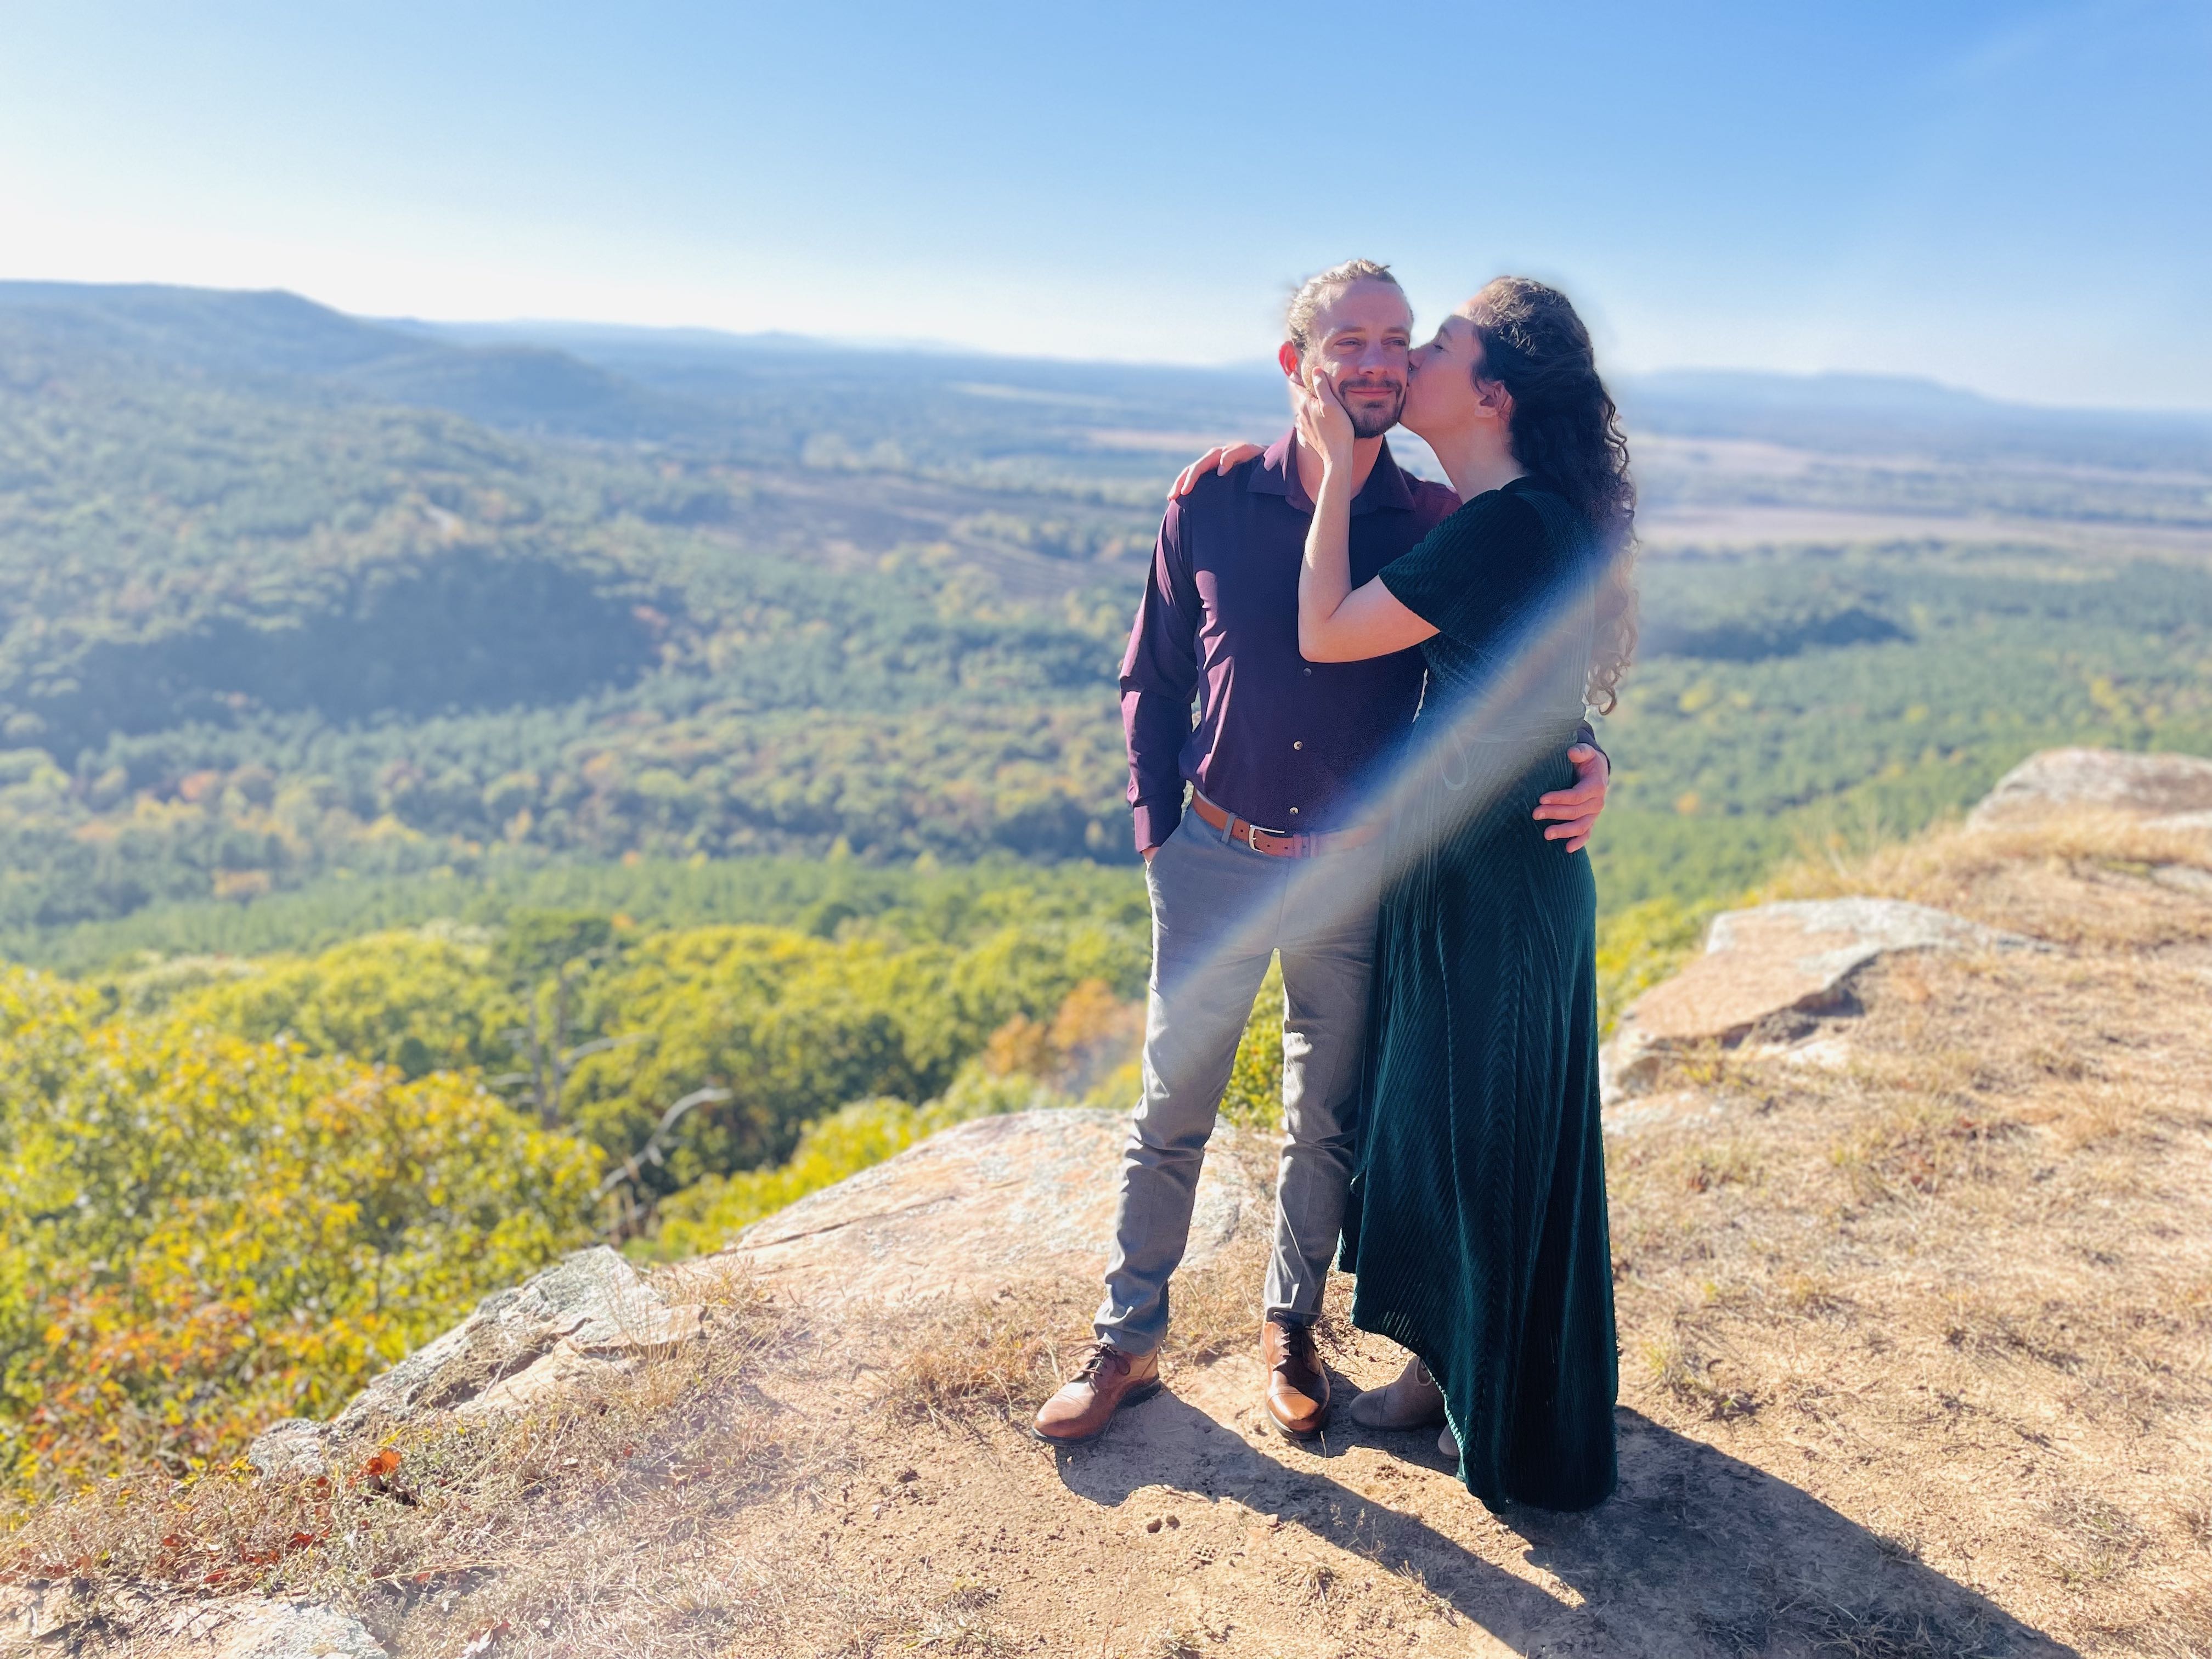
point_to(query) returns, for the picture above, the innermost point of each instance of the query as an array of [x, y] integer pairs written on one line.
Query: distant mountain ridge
[[1893, 413], [758, 398], [700, 387], [275, 341], [1832, 410]]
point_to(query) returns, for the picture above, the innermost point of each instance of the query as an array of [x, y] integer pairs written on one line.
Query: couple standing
[[1405, 827]]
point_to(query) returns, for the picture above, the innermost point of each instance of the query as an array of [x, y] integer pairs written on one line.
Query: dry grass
[[1970, 1288], [2094, 880], [677, 1510], [1841, 1633], [998, 1359], [1001, 1358], [406, 1525]]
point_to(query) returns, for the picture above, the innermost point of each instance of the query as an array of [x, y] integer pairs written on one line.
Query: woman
[[1478, 1221]]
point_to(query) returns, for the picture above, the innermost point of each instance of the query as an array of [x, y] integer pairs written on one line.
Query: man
[[1276, 762]]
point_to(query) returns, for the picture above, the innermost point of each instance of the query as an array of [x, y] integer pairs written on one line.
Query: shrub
[[203, 1232], [1254, 1095], [710, 1212], [1070, 1059], [1641, 946], [422, 1000]]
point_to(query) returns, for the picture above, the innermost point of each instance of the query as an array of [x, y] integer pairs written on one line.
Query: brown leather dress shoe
[[1298, 1386], [1105, 1380]]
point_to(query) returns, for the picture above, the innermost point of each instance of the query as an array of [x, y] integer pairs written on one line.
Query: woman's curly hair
[[1566, 432]]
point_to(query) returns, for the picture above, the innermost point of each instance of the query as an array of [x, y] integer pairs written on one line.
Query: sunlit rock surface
[[48, 1618], [589, 1315], [271, 1630], [589, 1309], [1763, 965], [2171, 789], [977, 1206]]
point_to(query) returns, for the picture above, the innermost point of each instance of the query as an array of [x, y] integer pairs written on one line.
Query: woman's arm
[[1335, 624]]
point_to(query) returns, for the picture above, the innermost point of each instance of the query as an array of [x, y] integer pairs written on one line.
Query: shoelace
[[1297, 1342], [1094, 1361]]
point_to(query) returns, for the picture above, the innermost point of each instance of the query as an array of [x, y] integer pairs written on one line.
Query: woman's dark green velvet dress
[[1476, 1225]]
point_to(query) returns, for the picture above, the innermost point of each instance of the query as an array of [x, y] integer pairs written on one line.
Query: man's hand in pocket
[[1571, 814]]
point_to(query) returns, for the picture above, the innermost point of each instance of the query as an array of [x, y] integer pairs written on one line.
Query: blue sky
[[2007, 197]]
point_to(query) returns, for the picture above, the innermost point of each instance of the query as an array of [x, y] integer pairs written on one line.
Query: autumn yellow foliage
[[1642, 945], [710, 1212], [1084, 1055], [203, 1232], [233, 1191], [1255, 1095]]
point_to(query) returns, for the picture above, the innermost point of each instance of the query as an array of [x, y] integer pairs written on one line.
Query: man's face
[[1360, 339]]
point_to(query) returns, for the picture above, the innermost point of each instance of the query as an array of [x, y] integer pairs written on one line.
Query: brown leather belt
[[1274, 845]]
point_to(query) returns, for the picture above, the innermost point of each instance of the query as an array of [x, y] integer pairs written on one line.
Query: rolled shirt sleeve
[[1159, 677]]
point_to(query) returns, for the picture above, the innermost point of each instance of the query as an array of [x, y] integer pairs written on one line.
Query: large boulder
[[588, 1311], [590, 1315], [2175, 790], [43, 1618], [976, 1207], [256, 1629], [1764, 966]]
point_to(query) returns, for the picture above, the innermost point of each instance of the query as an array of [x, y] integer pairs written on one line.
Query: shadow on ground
[[1696, 1554]]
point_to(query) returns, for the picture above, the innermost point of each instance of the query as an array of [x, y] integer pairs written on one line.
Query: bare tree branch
[[633, 1166]]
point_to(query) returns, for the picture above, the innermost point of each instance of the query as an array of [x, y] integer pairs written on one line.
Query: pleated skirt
[[1477, 1221]]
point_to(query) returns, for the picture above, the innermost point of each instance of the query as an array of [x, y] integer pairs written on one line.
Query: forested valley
[[467, 791]]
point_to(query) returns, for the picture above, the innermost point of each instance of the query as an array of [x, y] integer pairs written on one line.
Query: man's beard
[[1373, 423]]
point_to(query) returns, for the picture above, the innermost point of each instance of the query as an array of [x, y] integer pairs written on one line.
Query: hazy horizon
[[1984, 195], [1260, 367]]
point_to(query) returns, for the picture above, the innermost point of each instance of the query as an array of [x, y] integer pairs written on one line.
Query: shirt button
[[1308, 672], [1294, 811], [1297, 746]]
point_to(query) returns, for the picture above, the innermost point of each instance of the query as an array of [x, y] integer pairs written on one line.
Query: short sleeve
[[1473, 572]]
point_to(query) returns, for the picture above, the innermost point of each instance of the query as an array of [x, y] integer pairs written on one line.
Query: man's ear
[[1293, 364]]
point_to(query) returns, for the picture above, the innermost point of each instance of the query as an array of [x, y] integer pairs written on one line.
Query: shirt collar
[[1278, 474]]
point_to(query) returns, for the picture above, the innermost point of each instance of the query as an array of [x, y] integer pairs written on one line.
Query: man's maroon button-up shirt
[[1284, 742]]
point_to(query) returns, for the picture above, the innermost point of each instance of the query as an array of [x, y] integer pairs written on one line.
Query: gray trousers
[[1219, 911]]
